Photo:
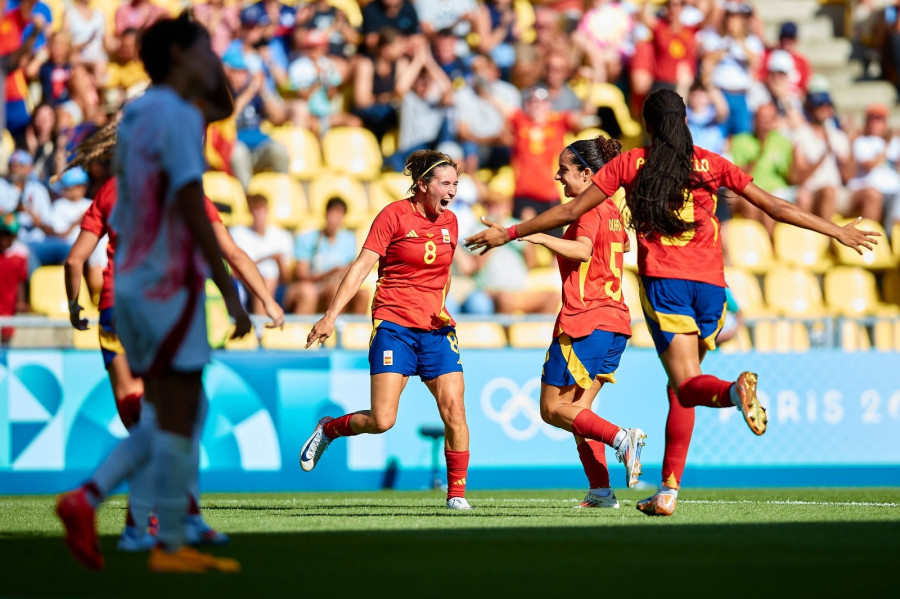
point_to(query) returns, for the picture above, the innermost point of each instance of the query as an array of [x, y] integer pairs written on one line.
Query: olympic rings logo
[[519, 414]]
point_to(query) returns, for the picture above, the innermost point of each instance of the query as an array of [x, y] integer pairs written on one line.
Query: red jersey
[[592, 290], [414, 269], [697, 254], [534, 154], [96, 221], [671, 49]]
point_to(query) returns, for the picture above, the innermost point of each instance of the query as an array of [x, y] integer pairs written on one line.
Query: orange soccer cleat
[[79, 519], [658, 504], [754, 413], [189, 560]]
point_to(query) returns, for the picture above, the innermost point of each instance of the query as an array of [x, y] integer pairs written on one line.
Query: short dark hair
[[336, 202], [158, 39]]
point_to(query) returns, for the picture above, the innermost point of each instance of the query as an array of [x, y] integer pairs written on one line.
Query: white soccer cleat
[[458, 503], [629, 453], [135, 539], [600, 501], [315, 446]]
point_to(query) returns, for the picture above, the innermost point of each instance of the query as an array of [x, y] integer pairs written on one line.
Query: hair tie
[[427, 170], [571, 148]]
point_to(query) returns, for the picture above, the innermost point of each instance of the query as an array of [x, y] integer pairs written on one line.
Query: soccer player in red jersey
[[412, 241], [127, 389], [593, 326], [670, 189]]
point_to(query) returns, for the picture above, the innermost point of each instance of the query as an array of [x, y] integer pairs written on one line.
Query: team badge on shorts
[[446, 235], [388, 357]]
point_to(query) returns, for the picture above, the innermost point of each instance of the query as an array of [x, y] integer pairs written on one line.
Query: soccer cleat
[[79, 519], [197, 532], [658, 504], [754, 413], [135, 539], [458, 503], [591, 500], [187, 559], [315, 446], [629, 453]]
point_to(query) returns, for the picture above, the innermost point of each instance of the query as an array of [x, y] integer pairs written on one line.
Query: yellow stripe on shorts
[[670, 323], [581, 375], [110, 342]]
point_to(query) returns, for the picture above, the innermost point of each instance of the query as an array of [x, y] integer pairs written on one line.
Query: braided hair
[[98, 147], [664, 182], [593, 153], [422, 164]]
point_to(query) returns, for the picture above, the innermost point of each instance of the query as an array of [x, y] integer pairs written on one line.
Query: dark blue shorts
[[673, 306], [429, 354], [579, 361], [110, 346]]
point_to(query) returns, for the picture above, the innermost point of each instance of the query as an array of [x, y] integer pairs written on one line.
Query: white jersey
[[159, 272]]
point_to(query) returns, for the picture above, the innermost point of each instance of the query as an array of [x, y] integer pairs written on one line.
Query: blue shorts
[[579, 361], [110, 346], [673, 306], [429, 354]]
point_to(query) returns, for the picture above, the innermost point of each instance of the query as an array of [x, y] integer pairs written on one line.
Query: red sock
[[193, 508], [339, 427], [130, 409], [705, 390], [679, 427], [590, 426], [129, 517], [593, 458], [94, 495], [457, 468]]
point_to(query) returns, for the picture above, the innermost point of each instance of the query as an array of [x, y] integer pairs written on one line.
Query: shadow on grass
[[690, 559]]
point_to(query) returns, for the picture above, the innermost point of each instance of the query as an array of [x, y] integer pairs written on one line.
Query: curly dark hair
[[593, 153], [665, 181], [420, 165]]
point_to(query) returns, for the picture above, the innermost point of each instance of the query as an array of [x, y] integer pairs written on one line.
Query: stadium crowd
[[500, 85]]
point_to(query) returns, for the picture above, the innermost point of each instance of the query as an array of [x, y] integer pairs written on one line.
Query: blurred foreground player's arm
[[348, 288]]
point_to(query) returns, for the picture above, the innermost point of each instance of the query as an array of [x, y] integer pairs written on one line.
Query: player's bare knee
[[381, 424]]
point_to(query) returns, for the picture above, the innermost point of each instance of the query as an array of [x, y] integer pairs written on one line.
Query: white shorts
[[163, 335]]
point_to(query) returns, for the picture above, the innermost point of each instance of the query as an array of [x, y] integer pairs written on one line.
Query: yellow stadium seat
[[895, 240], [9, 144], [780, 336], [351, 9], [531, 333], [227, 194], [503, 183], [793, 292], [589, 133], [525, 19], [609, 96], [329, 185], [745, 288], [748, 246], [852, 291], [396, 184], [891, 286], [480, 335], [389, 142], [886, 335], [800, 247], [740, 343], [878, 259], [287, 202], [543, 279], [303, 149], [47, 294], [292, 337], [248, 342], [356, 335], [854, 337], [86, 339], [353, 151]]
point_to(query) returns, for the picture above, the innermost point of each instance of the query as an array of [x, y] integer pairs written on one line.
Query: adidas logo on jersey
[[412, 234]]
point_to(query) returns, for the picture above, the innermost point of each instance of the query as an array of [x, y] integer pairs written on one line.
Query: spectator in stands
[[426, 111], [316, 78], [69, 208], [668, 60], [270, 247], [446, 54], [458, 16], [500, 32], [54, 74], [221, 20], [887, 41], [787, 42], [42, 143], [481, 127], [279, 20], [604, 36], [558, 72], [125, 72], [767, 155], [253, 151], [733, 55], [866, 17], [342, 37], [323, 258], [21, 35], [86, 27], [876, 152], [84, 99], [137, 14], [776, 89], [13, 272], [822, 158], [375, 83], [706, 111], [396, 14], [262, 52], [30, 200]]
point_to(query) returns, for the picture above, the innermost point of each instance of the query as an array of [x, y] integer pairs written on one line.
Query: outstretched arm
[[786, 212], [350, 284], [579, 249], [557, 216]]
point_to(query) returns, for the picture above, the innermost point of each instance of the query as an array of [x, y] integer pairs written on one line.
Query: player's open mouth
[[445, 203]]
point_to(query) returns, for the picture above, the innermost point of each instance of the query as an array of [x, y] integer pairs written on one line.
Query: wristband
[[512, 232]]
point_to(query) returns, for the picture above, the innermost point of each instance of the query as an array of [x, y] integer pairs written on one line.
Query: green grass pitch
[[800, 542]]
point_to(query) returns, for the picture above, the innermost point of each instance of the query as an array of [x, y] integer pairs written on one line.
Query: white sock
[[619, 438], [666, 490], [171, 472], [140, 488], [129, 455], [601, 491]]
